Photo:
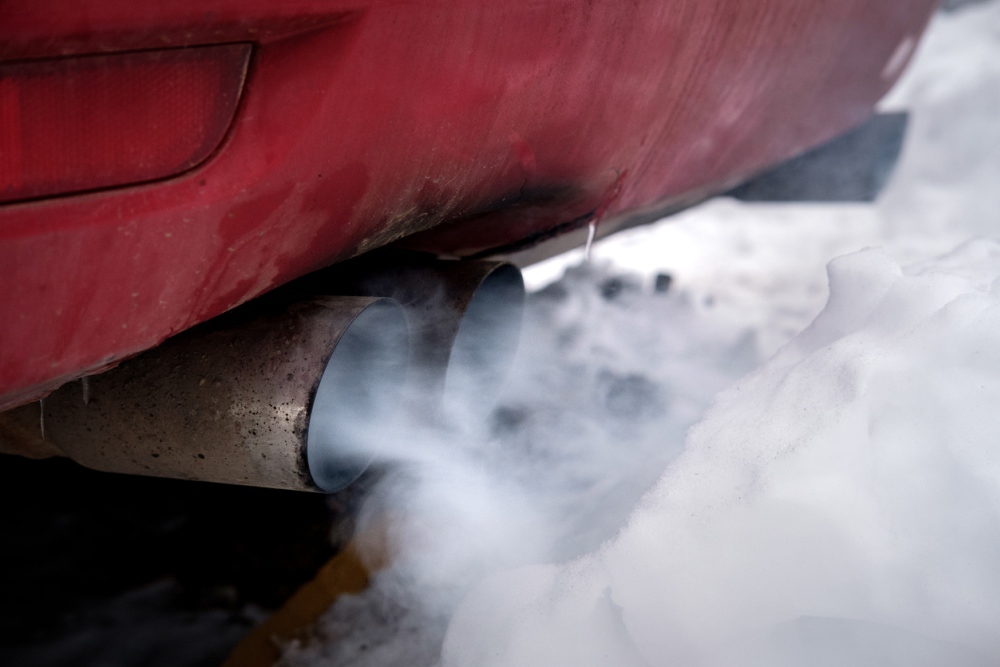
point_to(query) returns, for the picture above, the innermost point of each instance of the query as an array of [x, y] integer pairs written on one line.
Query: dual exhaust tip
[[297, 390]]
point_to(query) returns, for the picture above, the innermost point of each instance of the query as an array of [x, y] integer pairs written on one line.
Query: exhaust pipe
[[464, 316], [281, 397], [293, 397]]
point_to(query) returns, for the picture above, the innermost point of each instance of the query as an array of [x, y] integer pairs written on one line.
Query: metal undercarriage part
[[853, 167], [293, 391]]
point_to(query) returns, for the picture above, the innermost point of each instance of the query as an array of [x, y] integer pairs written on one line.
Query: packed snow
[[784, 454], [853, 479]]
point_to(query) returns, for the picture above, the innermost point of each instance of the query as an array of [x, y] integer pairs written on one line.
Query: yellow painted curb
[[343, 574]]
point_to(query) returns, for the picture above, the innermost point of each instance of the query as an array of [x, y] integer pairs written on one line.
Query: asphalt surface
[[103, 569]]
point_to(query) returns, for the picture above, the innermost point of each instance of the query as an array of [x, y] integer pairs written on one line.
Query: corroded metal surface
[[229, 402], [22, 433]]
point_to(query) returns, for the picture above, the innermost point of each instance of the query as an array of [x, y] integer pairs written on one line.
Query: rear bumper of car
[[467, 128]]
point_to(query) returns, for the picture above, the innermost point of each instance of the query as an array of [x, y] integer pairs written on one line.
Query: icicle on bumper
[[840, 505]]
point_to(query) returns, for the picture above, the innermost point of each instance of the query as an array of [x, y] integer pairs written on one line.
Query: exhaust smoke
[[838, 505]]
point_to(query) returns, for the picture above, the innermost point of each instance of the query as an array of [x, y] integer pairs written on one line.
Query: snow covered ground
[[772, 462]]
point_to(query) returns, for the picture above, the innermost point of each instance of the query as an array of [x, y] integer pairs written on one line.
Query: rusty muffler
[[271, 395]]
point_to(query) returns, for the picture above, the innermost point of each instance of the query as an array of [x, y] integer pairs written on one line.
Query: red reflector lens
[[83, 123]]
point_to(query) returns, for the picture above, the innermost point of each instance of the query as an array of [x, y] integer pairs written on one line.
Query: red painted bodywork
[[361, 123], [69, 125]]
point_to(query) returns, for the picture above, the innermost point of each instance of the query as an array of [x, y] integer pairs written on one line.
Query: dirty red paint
[[362, 122]]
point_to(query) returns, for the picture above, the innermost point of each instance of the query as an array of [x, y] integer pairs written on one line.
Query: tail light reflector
[[82, 123]]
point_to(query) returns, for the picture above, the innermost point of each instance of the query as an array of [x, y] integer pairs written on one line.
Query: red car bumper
[[493, 125]]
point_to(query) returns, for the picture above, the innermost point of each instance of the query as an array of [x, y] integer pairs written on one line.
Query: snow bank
[[840, 503]]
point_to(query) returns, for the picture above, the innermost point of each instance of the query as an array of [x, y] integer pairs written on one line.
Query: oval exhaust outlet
[[465, 322], [354, 404], [486, 340], [291, 397]]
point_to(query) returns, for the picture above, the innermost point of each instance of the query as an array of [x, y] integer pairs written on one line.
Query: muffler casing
[[232, 401]]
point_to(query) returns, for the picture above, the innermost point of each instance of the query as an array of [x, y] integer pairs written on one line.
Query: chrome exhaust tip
[[465, 322], [354, 404], [486, 341]]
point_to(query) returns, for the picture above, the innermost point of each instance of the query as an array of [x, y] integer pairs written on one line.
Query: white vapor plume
[[851, 483], [780, 460], [536, 481]]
